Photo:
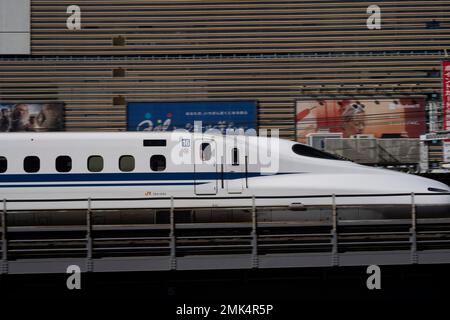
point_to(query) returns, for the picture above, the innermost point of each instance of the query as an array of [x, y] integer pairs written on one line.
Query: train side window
[[63, 164], [155, 143], [31, 164], [3, 164], [95, 163], [158, 163], [205, 151], [235, 155], [126, 163]]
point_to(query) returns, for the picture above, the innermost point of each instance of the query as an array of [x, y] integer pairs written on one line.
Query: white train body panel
[[218, 182]]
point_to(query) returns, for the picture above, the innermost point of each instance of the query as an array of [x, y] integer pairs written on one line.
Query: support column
[[334, 237], [173, 239], [89, 242], [255, 260], [413, 230], [4, 264]]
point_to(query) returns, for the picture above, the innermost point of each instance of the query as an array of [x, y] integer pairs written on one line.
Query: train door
[[205, 166], [234, 169]]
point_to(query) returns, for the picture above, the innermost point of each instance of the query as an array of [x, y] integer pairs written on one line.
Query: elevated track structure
[[220, 238]]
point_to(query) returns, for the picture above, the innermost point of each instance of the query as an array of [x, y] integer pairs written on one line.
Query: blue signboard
[[169, 116]]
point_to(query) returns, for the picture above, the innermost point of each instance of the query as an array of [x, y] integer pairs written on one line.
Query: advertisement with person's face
[[404, 118], [31, 117]]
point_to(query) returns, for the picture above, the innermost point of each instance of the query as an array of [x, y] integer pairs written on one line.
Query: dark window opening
[[3, 164], [63, 164], [126, 163], [155, 143], [235, 157], [433, 24], [95, 163], [118, 73], [437, 190], [205, 151], [158, 163], [119, 101], [31, 164], [307, 151], [118, 41]]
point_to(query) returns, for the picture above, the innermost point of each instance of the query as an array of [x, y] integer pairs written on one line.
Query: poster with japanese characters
[[169, 116]]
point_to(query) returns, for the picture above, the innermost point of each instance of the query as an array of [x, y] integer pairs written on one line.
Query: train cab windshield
[[307, 151]]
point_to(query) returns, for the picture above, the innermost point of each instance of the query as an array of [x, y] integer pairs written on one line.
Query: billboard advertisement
[[31, 117], [387, 118], [446, 93], [169, 116]]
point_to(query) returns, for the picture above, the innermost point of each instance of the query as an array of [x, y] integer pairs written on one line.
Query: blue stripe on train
[[135, 176], [100, 185]]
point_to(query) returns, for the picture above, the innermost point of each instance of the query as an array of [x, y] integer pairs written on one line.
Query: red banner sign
[[446, 93]]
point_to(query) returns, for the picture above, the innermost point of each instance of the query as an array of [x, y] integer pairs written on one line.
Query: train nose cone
[[409, 183], [434, 201], [432, 185]]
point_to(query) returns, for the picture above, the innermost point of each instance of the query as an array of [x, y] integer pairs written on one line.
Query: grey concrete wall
[[15, 26]]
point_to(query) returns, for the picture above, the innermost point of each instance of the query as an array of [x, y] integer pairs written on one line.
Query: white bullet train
[[186, 170]]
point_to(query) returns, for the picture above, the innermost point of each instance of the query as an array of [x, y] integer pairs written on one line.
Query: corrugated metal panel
[[236, 27], [88, 87], [275, 52]]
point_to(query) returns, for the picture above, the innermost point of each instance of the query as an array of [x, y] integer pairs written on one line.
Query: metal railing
[[254, 243]]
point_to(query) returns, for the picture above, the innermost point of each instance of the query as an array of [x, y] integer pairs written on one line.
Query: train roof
[[20, 136]]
